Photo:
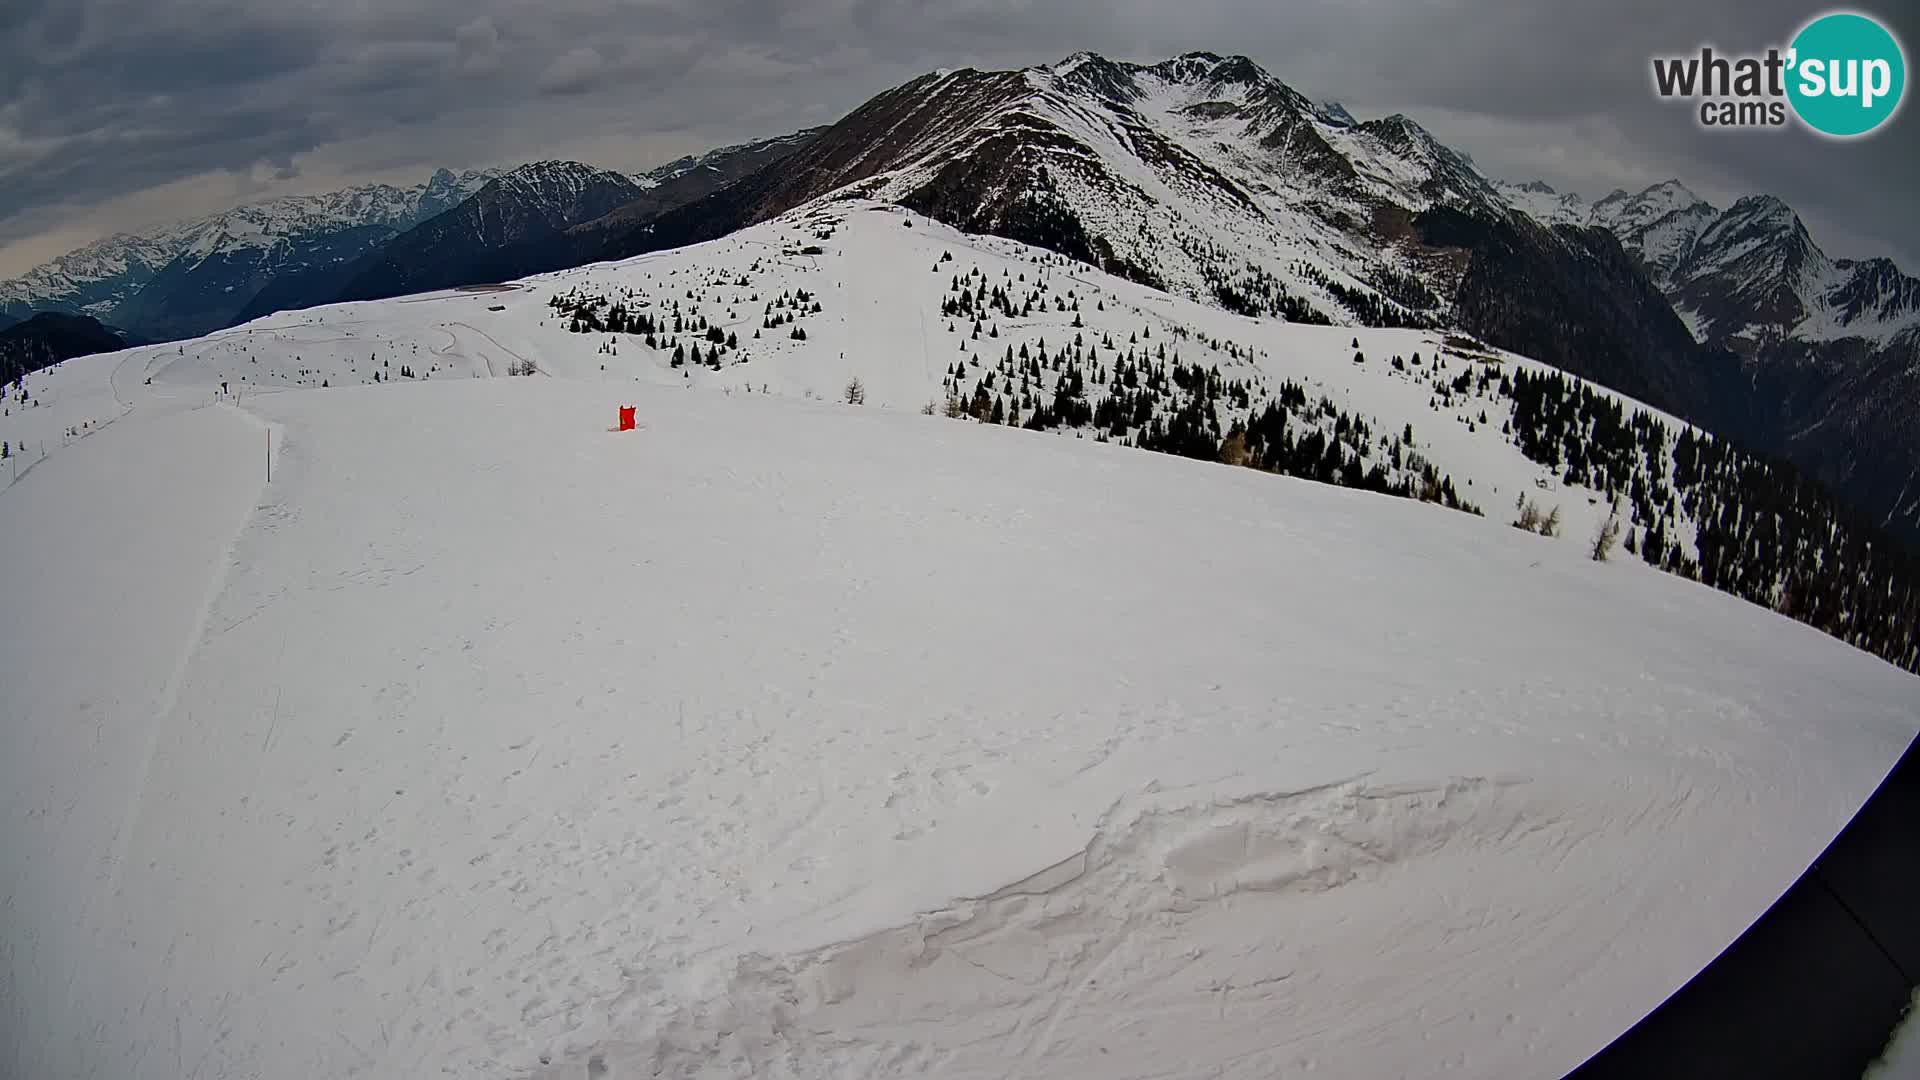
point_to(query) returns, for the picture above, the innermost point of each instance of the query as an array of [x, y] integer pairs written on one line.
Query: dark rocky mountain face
[[896, 127], [1572, 297], [498, 234], [50, 337], [309, 287], [195, 295], [686, 180]]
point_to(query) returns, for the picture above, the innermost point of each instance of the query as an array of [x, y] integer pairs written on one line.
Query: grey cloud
[[477, 46], [103, 98], [573, 72]]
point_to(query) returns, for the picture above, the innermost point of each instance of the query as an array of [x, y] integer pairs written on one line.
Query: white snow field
[[1902, 1055], [787, 738]]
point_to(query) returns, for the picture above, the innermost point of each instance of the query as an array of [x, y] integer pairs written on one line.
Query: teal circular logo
[[1846, 74]]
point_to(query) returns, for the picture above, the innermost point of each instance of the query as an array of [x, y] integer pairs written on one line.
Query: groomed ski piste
[[786, 737]]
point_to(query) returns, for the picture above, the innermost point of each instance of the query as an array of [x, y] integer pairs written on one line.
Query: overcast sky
[[121, 113]]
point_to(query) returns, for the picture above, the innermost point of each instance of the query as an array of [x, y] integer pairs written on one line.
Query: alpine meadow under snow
[[785, 736]]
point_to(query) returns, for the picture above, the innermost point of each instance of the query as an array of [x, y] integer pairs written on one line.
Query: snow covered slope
[[789, 738], [889, 329]]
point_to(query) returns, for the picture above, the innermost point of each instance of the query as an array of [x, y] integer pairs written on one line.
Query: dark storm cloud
[[106, 98]]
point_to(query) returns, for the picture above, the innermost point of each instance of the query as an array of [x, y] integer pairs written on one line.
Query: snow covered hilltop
[[790, 737]]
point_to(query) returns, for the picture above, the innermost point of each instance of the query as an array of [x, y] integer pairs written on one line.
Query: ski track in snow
[[116, 511], [788, 739]]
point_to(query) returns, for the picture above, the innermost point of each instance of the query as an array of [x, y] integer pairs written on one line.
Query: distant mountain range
[[539, 217], [1202, 175], [188, 278], [1748, 276]]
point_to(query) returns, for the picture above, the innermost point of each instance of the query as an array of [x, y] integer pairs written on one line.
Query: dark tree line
[[687, 335], [1763, 531], [1139, 392]]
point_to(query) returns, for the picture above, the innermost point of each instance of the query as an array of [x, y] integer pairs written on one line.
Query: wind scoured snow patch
[[1214, 909]]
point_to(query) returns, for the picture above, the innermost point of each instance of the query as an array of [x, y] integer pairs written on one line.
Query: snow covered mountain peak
[[446, 189], [1749, 276], [1336, 114], [1202, 173], [558, 190], [1212, 70], [1545, 204], [1621, 210], [271, 221], [563, 180], [1189, 79], [1753, 278]]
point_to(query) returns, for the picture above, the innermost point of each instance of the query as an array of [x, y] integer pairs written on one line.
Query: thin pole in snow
[[269, 434]]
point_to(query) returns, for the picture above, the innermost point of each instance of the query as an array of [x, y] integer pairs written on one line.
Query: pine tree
[[1606, 536]]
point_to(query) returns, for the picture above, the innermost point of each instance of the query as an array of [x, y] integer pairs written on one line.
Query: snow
[[1665, 244], [1626, 214], [1542, 203], [789, 738], [119, 545], [1902, 1055]]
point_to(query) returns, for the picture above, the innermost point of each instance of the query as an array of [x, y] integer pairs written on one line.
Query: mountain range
[[539, 217], [1204, 176], [187, 278]]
